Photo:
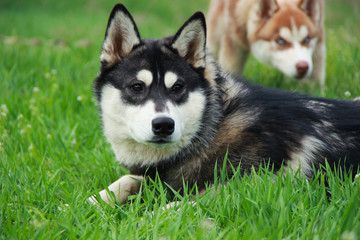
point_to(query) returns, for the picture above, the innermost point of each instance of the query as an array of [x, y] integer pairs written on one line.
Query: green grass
[[52, 150]]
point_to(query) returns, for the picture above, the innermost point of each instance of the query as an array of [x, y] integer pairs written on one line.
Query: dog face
[[151, 93], [287, 36]]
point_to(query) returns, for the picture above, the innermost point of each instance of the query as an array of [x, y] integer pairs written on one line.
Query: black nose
[[163, 126]]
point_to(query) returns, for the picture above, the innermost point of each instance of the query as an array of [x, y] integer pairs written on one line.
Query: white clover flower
[[347, 93], [47, 75], [36, 89], [79, 98], [4, 134], [20, 117], [4, 110], [348, 235], [34, 109]]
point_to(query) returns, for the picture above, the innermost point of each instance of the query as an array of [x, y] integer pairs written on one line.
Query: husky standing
[[167, 108], [286, 34]]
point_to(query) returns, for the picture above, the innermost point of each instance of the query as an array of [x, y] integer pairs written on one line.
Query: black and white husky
[[167, 108]]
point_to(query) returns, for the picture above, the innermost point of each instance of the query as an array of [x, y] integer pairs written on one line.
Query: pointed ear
[[190, 40], [120, 37], [267, 8], [311, 8]]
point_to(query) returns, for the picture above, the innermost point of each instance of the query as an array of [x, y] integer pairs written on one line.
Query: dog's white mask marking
[[129, 127], [145, 76], [286, 59], [170, 79]]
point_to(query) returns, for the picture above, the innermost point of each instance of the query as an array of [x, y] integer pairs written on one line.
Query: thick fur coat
[[168, 109], [285, 34]]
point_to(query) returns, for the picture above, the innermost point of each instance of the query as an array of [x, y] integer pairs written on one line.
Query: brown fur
[[234, 25]]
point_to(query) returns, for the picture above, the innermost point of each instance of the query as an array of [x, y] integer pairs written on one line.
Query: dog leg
[[319, 58], [122, 188], [215, 20], [232, 57]]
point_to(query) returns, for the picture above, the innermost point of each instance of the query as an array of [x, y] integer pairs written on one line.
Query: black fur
[[283, 121]]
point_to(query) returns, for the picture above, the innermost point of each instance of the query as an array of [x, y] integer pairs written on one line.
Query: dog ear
[[312, 9], [267, 8], [190, 40], [120, 37]]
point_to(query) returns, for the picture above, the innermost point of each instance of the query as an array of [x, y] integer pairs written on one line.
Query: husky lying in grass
[[167, 109]]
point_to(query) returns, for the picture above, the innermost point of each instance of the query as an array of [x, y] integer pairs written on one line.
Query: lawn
[[52, 150]]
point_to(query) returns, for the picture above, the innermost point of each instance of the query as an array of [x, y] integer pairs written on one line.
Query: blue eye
[[280, 41], [307, 39]]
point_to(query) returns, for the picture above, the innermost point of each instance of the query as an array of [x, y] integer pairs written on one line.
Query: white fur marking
[[318, 106], [122, 189], [145, 76], [295, 35], [170, 79], [286, 60], [306, 155], [286, 34], [129, 130], [303, 33]]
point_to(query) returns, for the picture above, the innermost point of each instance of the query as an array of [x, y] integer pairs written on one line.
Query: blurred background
[[82, 24]]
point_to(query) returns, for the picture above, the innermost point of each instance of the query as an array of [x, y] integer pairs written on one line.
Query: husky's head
[[286, 34], [152, 94]]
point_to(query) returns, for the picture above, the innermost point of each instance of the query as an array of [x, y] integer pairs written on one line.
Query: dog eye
[[137, 87], [280, 41], [177, 87], [307, 39]]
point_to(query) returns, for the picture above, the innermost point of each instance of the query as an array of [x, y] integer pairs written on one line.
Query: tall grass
[[52, 150]]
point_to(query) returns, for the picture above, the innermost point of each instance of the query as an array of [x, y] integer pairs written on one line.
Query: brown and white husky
[[286, 34]]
